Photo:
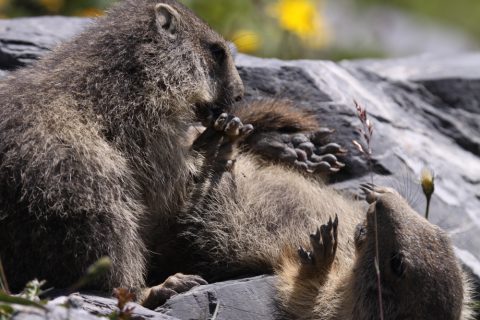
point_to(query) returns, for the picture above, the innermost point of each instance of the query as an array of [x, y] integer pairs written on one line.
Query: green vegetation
[[288, 29], [30, 296]]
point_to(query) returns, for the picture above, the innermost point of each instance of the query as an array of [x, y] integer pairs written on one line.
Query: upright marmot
[[93, 159]]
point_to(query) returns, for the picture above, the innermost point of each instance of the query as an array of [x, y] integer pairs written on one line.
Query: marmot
[[249, 218], [94, 152], [93, 159]]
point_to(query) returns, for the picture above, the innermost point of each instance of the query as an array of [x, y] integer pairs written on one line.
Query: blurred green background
[[332, 29]]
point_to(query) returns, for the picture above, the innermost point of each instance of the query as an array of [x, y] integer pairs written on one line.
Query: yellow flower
[[90, 12], [428, 185], [52, 5], [427, 181], [303, 18], [247, 41]]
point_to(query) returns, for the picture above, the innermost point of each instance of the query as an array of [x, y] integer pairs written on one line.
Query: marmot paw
[[232, 127], [304, 151], [175, 284], [323, 244], [373, 192]]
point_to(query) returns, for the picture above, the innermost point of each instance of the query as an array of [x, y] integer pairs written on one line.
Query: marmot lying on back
[[251, 217]]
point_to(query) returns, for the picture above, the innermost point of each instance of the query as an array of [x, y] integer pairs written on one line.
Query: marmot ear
[[167, 19]]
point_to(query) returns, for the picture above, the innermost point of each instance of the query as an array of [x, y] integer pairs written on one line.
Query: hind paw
[[304, 151], [323, 245], [175, 284]]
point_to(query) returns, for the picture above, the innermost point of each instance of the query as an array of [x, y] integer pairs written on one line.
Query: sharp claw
[[220, 122], [321, 166], [330, 148], [339, 164], [305, 256], [316, 235], [341, 152], [330, 158], [301, 155], [302, 165]]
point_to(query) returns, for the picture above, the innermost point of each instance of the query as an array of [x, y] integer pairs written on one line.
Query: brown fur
[[251, 220], [268, 115], [431, 284], [93, 159]]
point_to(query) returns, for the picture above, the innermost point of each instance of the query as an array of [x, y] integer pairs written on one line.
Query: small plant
[[427, 180], [30, 295], [366, 132], [124, 297]]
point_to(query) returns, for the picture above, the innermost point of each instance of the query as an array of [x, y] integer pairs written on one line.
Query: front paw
[[232, 127], [323, 245]]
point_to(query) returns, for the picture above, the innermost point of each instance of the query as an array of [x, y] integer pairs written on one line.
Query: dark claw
[[367, 188], [302, 165], [320, 166], [330, 158], [339, 164], [301, 155], [305, 256], [308, 147], [220, 122], [333, 148]]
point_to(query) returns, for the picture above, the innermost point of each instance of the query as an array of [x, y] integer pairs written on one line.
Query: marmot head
[[180, 64], [420, 276]]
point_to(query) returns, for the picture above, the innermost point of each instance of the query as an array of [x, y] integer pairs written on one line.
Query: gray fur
[[92, 154]]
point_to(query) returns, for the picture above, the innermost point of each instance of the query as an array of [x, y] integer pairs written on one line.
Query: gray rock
[[425, 110], [23, 40], [245, 299], [84, 306]]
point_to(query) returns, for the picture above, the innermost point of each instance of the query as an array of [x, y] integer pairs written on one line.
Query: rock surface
[[425, 111], [245, 299]]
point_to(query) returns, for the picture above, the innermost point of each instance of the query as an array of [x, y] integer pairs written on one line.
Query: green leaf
[[20, 301]]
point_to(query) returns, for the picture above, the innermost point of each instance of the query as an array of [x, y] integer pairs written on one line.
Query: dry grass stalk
[[366, 132]]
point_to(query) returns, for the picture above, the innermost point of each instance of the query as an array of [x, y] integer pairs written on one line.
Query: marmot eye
[[218, 52], [397, 264]]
